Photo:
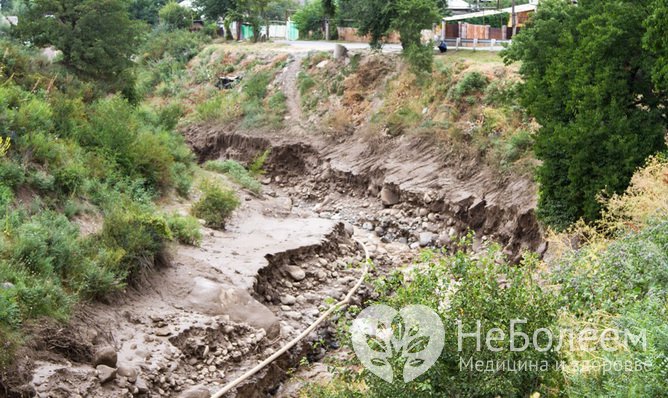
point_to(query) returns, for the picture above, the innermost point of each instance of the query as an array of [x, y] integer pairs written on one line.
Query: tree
[[278, 10], [375, 19], [309, 18], [146, 10], [214, 9], [587, 81], [174, 16], [656, 42], [97, 37]]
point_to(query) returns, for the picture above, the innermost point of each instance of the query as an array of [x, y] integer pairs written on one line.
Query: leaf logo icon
[[381, 333]]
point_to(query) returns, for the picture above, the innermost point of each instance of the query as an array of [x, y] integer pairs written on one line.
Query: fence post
[[475, 43], [458, 42], [492, 43]]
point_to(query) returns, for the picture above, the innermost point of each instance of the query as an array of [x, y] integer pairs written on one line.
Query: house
[[456, 26]]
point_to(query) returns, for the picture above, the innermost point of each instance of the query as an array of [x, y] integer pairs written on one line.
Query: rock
[[350, 229], [423, 212], [141, 385], [105, 355], [368, 226], [196, 392], [294, 315], [443, 239], [388, 196], [105, 373], [414, 245], [322, 64], [340, 51], [7, 285], [288, 299], [425, 238], [296, 273], [128, 371]]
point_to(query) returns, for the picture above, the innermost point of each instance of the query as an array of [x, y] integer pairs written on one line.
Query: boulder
[[296, 273], [388, 196], [340, 51], [105, 373], [130, 372], [105, 355]]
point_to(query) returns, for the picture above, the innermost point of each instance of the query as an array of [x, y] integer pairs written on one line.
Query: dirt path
[[288, 80]]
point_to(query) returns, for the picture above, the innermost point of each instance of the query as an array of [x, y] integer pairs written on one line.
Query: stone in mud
[[105, 355], [296, 273], [388, 196], [241, 307], [288, 299], [105, 373], [196, 392], [443, 239], [141, 385], [130, 372], [426, 238]]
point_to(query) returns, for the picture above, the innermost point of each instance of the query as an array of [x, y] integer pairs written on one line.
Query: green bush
[[420, 58], [471, 288], [216, 205], [185, 229], [140, 234], [11, 174], [255, 86], [236, 172], [472, 82], [517, 146]]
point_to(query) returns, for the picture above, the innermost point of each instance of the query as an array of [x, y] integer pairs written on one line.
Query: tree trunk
[[239, 30], [514, 20]]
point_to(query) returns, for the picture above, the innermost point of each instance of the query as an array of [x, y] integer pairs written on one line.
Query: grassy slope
[[467, 102]]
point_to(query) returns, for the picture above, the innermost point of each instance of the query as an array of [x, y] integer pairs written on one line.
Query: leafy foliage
[[588, 83], [97, 38], [174, 16], [185, 229], [216, 205]]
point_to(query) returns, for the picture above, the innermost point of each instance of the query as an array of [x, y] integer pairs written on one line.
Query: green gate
[[293, 32]]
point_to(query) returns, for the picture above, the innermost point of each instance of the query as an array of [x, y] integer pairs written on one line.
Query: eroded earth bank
[[209, 313]]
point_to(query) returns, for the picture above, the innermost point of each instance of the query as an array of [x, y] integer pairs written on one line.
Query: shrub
[[215, 206], [182, 175], [257, 167], [175, 16], [473, 288], [140, 233], [236, 172], [223, 108], [517, 146], [420, 58], [255, 86], [11, 174], [185, 229], [471, 82]]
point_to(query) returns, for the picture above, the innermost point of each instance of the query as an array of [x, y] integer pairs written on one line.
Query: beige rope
[[341, 304]]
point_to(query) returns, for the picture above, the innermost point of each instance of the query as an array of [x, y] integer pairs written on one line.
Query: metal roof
[[487, 13]]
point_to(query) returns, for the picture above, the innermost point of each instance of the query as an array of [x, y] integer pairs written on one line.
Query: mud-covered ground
[[212, 312]]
